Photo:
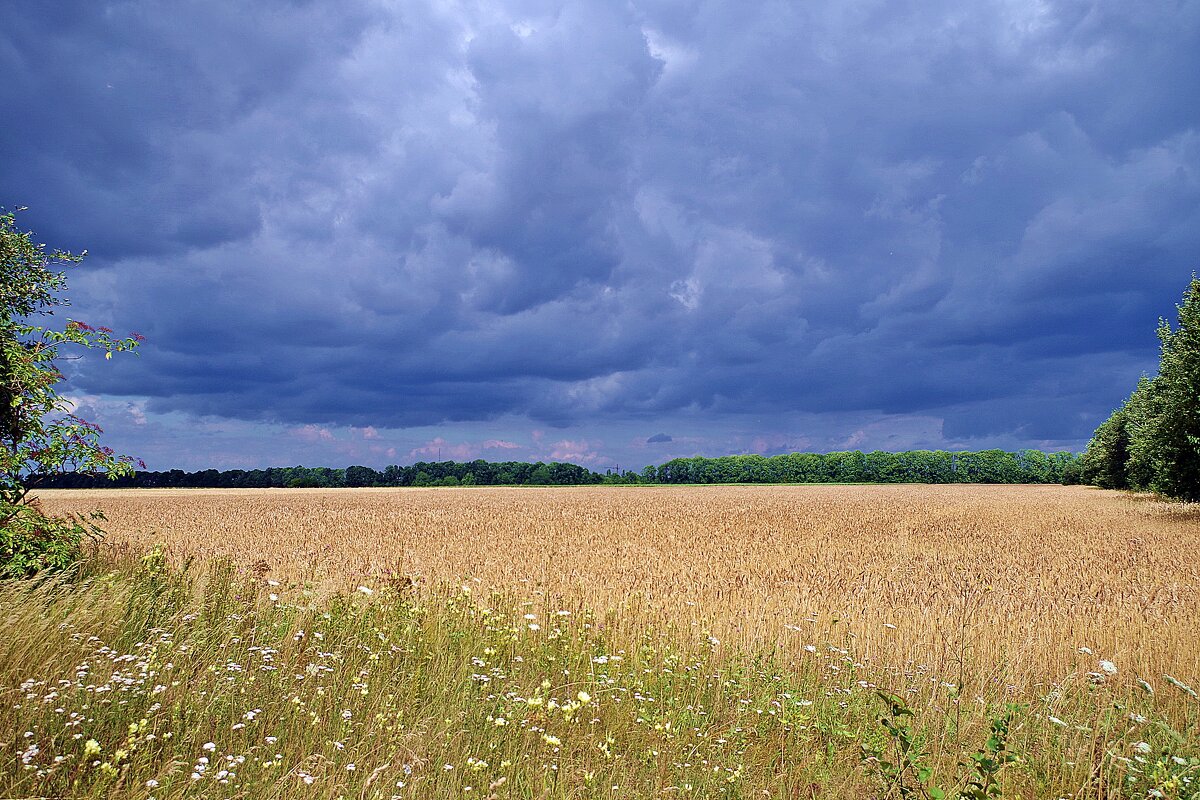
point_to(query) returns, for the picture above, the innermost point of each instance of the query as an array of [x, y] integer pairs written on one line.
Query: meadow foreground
[[918, 641]]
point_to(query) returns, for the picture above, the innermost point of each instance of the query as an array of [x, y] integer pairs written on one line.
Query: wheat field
[[1027, 583]]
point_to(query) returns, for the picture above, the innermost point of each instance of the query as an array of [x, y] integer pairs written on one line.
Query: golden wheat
[[1034, 581]]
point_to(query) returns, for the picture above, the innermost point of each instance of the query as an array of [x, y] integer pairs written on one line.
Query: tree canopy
[[39, 433], [913, 466], [1152, 442]]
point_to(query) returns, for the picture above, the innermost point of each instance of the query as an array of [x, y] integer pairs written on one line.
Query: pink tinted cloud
[[499, 444], [312, 433], [368, 432], [440, 448], [777, 443], [577, 452]]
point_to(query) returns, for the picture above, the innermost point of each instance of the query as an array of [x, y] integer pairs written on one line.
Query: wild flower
[[1181, 686]]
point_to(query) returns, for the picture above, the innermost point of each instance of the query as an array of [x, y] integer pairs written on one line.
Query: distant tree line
[[441, 473], [1152, 442], [913, 466]]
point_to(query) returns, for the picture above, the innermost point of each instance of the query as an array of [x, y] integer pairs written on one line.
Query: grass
[[142, 681], [1036, 571], [249, 675]]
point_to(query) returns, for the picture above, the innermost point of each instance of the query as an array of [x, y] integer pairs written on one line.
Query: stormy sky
[[606, 232]]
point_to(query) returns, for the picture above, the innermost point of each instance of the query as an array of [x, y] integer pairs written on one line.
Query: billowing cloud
[[768, 225]]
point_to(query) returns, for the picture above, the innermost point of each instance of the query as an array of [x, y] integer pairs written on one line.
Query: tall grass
[[1033, 572], [143, 680]]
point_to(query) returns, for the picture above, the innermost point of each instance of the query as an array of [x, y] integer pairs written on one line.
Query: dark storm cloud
[[363, 214]]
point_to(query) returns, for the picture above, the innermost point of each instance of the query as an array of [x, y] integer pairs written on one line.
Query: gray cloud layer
[[412, 214]]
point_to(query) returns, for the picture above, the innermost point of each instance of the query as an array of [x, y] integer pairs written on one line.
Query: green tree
[[1152, 442], [1174, 427], [39, 434], [1140, 416], [540, 476], [1106, 460], [362, 476]]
